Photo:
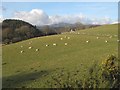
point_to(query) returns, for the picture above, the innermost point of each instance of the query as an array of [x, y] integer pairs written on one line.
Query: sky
[[41, 13]]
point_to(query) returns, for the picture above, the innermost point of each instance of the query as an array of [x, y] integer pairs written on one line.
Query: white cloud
[[39, 17], [35, 16], [67, 18], [1, 18]]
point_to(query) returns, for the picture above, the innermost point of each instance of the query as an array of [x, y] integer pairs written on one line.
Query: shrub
[[105, 75]]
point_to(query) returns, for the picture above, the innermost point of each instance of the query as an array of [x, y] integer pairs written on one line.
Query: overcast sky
[[41, 13]]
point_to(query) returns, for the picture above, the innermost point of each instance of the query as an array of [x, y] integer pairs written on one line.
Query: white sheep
[[87, 41], [37, 50], [97, 37], [68, 37], [106, 41], [54, 44], [61, 38], [66, 44], [115, 35], [29, 47], [110, 37], [46, 45], [118, 40], [78, 33], [21, 46], [21, 51]]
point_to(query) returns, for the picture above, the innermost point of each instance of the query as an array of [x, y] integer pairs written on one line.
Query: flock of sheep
[[55, 44]]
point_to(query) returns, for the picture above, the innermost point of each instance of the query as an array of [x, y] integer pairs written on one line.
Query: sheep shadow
[[17, 80]]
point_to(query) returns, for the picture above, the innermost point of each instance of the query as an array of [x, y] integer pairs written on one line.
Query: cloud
[[35, 16], [39, 17], [1, 18], [80, 18], [67, 18]]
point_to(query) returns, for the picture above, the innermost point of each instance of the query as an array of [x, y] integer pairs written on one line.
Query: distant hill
[[18, 30], [64, 27]]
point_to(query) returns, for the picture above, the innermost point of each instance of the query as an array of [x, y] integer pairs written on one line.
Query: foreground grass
[[33, 69]]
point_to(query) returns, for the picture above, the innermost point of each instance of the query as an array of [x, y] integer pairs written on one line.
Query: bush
[[110, 71], [105, 75]]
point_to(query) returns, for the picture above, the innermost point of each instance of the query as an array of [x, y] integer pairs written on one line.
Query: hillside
[[18, 30], [74, 51], [63, 27]]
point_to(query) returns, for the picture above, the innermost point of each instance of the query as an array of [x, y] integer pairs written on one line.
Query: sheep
[[54, 44], [21, 51], [115, 35], [61, 38], [21, 46], [78, 33], [68, 37], [97, 37], [46, 45], [87, 41], [106, 41], [66, 44], [37, 50], [65, 36], [110, 37], [29, 47], [71, 30], [118, 40]]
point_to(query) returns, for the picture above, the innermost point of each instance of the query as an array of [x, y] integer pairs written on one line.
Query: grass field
[[32, 68]]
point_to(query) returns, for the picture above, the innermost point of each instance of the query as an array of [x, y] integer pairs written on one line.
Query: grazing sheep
[[46, 45], [118, 40], [21, 51], [66, 44], [65, 36], [110, 37], [115, 35], [78, 33], [21, 46], [54, 44], [68, 37], [97, 37], [61, 38], [87, 41], [29, 47], [106, 41], [71, 30], [37, 50]]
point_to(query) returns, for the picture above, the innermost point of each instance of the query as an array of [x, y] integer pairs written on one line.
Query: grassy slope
[[77, 55]]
